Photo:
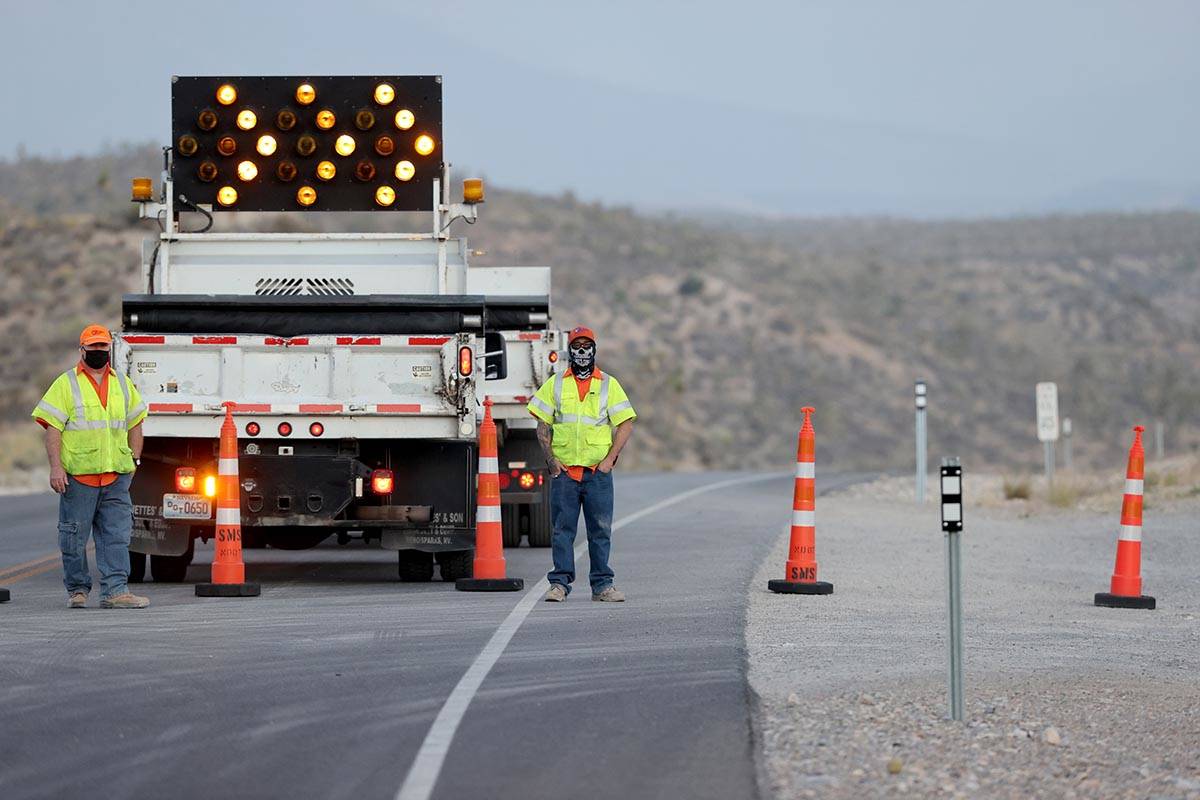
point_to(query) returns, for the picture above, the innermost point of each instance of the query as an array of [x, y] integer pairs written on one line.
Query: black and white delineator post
[[1066, 437], [922, 468], [952, 521]]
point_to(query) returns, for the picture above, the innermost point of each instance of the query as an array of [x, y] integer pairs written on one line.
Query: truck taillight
[[505, 480], [382, 481], [253, 429], [465, 361], [185, 480], [526, 480], [553, 356], [316, 429], [285, 429]]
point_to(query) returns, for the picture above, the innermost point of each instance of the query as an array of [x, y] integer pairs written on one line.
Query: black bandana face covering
[[95, 359], [583, 358]]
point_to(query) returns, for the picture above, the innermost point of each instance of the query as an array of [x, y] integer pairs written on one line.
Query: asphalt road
[[327, 684]]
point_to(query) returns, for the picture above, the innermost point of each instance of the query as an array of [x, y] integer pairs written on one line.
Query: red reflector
[[541, 479], [465, 358], [553, 356], [505, 481], [185, 480], [253, 429], [382, 481], [516, 472], [285, 429], [526, 480], [316, 429]]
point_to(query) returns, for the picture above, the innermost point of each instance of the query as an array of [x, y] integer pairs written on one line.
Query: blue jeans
[[594, 495], [106, 513]]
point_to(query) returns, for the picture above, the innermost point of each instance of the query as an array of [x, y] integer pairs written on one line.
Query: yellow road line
[[37, 566]]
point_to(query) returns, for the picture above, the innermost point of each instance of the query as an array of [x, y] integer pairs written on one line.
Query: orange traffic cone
[[1127, 575], [228, 571], [488, 569], [802, 553]]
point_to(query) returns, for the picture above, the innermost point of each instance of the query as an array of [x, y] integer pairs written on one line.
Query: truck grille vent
[[282, 287]]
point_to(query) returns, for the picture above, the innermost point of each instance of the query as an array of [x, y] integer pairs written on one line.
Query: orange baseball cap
[[581, 332], [94, 334]]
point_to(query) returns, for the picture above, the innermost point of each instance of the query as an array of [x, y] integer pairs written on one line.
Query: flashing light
[[382, 481], [384, 94], [141, 189], [326, 170], [285, 429], [226, 94], [253, 429], [385, 145], [526, 480], [344, 145], [185, 480], [305, 94], [364, 171], [210, 485], [465, 361], [206, 120], [472, 191], [207, 171], [404, 119], [227, 196], [316, 429], [246, 119], [364, 120], [326, 119], [385, 195], [553, 356], [187, 145], [247, 171], [306, 195], [285, 120], [424, 144], [286, 171], [226, 146], [405, 170], [306, 146], [266, 145]]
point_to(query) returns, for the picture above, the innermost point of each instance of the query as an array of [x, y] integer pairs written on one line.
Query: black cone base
[[791, 587], [5, 596], [228, 590], [1121, 601], [489, 584]]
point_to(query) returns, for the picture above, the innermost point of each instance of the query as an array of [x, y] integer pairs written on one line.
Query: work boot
[[556, 594], [78, 600], [609, 594], [126, 600]]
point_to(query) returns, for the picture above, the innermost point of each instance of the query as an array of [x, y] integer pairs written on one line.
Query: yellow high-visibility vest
[[95, 438], [582, 428]]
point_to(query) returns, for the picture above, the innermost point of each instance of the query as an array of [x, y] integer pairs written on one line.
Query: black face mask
[[95, 359], [582, 361]]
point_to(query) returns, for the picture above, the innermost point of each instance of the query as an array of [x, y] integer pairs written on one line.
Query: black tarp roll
[[313, 316]]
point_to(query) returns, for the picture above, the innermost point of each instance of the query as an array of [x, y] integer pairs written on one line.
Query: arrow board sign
[[1047, 412]]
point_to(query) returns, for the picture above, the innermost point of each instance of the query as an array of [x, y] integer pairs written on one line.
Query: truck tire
[[457, 564], [137, 567], [415, 566], [170, 569], [541, 526], [510, 524]]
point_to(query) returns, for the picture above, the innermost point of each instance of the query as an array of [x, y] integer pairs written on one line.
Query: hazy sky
[[917, 107]]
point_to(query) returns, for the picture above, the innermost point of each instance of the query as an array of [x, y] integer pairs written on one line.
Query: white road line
[[427, 766]]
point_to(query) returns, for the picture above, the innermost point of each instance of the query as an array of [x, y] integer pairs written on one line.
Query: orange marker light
[[247, 171], [326, 119], [424, 144], [385, 145], [210, 485], [472, 190], [246, 119], [384, 94], [385, 195], [306, 195], [404, 119], [344, 145], [226, 94], [227, 195], [326, 170], [141, 189], [305, 94], [405, 170], [266, 145]]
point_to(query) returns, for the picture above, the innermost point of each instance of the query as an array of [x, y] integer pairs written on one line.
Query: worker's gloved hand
[[58, 480]]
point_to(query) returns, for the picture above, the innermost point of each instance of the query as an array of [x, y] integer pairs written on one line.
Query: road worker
[[93, 417], [577, 412]]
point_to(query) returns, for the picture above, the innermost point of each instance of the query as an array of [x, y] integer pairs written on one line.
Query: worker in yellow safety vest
[[93, 420], [584, 421]]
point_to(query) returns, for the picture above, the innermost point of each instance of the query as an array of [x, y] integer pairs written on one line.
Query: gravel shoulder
[[1063, 699]]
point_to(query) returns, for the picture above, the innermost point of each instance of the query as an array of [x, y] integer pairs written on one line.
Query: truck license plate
[[186, 506]]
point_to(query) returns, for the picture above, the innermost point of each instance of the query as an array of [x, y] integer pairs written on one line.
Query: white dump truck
[[357, 362]]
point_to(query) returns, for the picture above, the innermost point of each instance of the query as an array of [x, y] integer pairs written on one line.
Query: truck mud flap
[[430, 540], [155, 536]]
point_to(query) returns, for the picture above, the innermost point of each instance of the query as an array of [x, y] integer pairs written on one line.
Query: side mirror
[[495, 356]]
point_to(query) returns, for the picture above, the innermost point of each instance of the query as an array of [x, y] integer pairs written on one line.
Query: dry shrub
[[1017, 489]]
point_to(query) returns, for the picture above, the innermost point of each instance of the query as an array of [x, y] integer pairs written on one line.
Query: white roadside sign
[[1047, 412]]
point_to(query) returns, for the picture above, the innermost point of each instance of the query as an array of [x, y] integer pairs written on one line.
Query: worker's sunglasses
[[582, 347]]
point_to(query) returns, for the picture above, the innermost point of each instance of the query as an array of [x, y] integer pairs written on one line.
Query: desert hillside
[[722, 328]]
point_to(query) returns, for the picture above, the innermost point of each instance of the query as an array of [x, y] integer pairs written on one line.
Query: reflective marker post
[[1066, 435], [952, 526], [922, 468]]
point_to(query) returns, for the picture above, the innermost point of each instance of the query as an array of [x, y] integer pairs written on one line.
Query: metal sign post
[[1158, 440], [1047, 422], [1066, 434], [922, 467], [952, 522]]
